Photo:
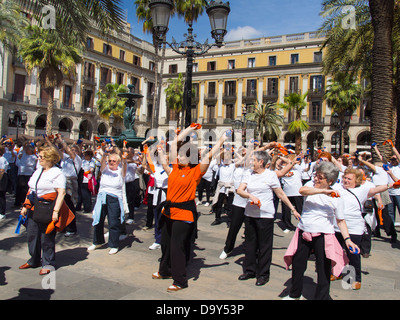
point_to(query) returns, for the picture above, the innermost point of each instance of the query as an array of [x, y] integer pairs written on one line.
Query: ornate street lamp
[[218, 13], [19, 121], [341, 124]]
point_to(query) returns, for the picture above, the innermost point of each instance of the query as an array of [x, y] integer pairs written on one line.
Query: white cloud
[[240, 33]]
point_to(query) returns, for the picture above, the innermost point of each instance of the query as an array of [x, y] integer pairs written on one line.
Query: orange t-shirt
[[182, 185]]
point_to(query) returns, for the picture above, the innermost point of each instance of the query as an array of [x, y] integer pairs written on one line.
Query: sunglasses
[[111, 161]]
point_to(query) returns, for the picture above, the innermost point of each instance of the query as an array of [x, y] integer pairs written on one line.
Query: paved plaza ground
[[96, 275]]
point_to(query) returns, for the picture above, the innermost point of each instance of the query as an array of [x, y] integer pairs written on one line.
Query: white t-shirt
[[320, 212], [160, 181], [226, 174], [380, 177], [352, 211], [71, 167], [27, 164], [130, 172], [3, 163], [48, 182], [210, 171], [291, 182], [112, 182], [260, 185], [86, 166], [396, 171], [239, 175]]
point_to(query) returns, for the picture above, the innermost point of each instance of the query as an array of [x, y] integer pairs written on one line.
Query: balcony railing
[[316, 93], [67, 106], [91, 81], [19, 98]]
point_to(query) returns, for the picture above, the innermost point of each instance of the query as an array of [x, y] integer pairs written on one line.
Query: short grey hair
[[264, 156], [329, 170]]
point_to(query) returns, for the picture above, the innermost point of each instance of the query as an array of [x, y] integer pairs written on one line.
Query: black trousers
[[259, 234], [237, 218], [220, 203], [204, 185], [86, 198], [388, 224], [130, 198], [22, 189], [41, 246], [72, 226], [299, 266], [297, 202], [150, 211], [175, 246], [354, 259]]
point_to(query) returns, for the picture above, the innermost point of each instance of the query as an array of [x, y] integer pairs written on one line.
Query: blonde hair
[[50, 154], [358, 173], [115, 156]]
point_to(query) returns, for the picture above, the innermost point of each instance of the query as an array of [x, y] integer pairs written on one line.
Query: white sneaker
[[129, 221], [223, 255], [2, 216], [206, 204], [94, 247], [155, 246], [286, 231], [198, 203], [113, 251]]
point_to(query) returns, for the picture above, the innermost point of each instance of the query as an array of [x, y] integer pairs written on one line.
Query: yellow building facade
[[229, 81]]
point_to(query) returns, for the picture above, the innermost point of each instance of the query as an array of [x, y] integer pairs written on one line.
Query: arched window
[[335, 143]]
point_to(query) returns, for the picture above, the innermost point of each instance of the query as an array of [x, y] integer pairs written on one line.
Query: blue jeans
[[113, 211], [392, 206]]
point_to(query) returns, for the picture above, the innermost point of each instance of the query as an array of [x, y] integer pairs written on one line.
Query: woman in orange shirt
[[179, 213]]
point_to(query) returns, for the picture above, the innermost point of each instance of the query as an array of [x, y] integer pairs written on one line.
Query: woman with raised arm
[[258, 188], [179, 214], [315, 232], [109, 200]]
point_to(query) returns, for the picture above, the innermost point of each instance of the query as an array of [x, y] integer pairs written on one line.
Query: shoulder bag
[[43, 209]]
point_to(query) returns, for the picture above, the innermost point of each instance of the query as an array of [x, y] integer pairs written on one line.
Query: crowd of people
[[339, 202]]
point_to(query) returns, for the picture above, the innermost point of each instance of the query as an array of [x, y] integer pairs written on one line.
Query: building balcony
[[88, 80], [316, 93], [230, 97], [67, 106], [19, 98], [270, 97], [211, 97], [289, 91]]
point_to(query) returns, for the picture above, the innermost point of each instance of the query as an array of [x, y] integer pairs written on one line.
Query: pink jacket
[[333, 250]]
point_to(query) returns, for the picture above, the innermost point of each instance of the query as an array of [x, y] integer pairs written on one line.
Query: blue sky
[[247, 19]]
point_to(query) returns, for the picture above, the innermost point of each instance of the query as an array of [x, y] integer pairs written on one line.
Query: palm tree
[[267, 119], [174, 95], [108, 101], [296, 103], [42, 49], [357, 51], [12, 24], [80, 15], [382, 15], [343, 94]]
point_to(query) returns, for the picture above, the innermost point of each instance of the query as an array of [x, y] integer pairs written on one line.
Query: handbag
[[43, 209]]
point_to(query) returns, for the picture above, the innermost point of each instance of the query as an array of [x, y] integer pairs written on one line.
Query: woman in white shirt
[[109, 201], [258, 188], [26, 163], [291, 184], [47, 182], [354, 195], [315, 232]]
